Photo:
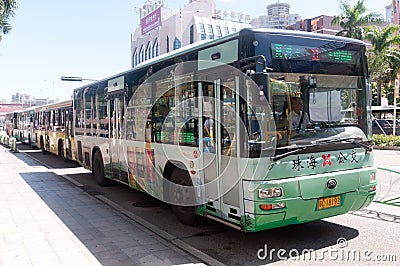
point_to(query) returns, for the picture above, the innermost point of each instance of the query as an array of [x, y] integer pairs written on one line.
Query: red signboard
[[151, 21]]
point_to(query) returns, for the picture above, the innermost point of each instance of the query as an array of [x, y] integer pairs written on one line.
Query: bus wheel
[[185, 214], [98, 170]]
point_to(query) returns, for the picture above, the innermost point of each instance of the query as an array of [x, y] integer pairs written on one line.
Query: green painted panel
[[299, 211], [320, 162], [315, 186], [227, 52], [263, 222]]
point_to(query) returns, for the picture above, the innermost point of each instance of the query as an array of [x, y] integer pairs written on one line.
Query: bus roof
[[306, 34], [181, 51], [206, 43], [65, 103]]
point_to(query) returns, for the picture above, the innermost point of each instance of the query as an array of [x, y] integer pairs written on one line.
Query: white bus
[[215, 118]]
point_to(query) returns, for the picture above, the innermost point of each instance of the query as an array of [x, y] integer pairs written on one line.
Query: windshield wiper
[[328, 141], [301, 148], [330, 124], [357, 141]]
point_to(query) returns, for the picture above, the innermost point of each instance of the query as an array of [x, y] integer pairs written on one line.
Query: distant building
[[26, 100], [23, 99], [389, 14], [163, 29], [260, 22], [392, 12], [278, 17], [319, 24]]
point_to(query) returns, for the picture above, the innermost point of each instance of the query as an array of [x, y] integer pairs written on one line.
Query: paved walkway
[[46, 220]]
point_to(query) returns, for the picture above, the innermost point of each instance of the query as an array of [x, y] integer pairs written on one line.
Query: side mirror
[[262, 81]]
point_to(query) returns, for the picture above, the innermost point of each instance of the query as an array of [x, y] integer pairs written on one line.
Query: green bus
[[248, 130]]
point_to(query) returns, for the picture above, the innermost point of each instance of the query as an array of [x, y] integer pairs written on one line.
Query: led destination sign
[[306, 53]]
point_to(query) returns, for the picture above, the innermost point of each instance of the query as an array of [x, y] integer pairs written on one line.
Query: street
[[364, 237]]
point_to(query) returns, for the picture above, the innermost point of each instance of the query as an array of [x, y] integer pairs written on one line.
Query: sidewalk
[[46, 220]]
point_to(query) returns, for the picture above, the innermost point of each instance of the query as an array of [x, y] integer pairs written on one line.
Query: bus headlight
[[372, 176], [275, 192]]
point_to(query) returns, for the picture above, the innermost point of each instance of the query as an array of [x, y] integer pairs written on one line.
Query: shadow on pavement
[[217, 240]]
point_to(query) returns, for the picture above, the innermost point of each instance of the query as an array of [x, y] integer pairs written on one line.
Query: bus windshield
[[318, 88], [311, 107]]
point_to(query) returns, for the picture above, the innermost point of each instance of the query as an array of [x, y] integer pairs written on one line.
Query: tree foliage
[[384, 56], [7, 11], [354, 19]]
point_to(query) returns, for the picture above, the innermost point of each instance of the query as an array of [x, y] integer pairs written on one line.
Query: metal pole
[[394, 117], [395, 95], [180, 14]]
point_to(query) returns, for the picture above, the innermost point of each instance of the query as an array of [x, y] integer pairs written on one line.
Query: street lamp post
[[396, 94], [64, 78]]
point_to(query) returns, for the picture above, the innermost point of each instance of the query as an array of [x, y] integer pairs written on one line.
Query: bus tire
[[98, 170], [185, 214]]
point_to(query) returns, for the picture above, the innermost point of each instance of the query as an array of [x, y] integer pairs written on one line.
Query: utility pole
[[395, 95]]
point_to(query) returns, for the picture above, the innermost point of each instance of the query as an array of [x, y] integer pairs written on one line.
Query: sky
[[91, 39]]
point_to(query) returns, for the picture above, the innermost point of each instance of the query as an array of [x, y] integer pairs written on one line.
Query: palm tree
[[384, 57], [7, 11], [353, 20]]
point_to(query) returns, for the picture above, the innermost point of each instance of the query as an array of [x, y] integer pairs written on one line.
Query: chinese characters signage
[[327, 161], [151, 21]]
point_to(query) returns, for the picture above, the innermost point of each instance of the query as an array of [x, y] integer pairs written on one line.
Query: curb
[[164, 235], [393, 148]]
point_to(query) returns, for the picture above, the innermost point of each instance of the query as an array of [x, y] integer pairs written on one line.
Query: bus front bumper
[[261, 214]]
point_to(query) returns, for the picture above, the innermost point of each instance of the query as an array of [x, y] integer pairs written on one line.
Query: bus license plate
[[330, 202]]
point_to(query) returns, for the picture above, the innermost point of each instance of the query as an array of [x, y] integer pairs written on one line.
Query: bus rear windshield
[[288, 54]]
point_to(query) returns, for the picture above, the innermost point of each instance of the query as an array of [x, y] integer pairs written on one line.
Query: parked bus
[[52, 129], [11, 123], [199, 117], [24, 125]]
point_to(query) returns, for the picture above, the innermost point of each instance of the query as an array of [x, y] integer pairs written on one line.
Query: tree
[[384, 57], [7, 11], [353, 20]]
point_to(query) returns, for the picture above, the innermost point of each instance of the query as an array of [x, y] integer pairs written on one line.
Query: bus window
[[175, 114], [228, 120]]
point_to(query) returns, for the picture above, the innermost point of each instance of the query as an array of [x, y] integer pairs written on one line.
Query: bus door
[[67, 120], [116, 111], [220, 153]]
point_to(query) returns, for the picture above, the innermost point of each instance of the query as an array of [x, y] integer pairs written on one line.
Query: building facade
[[260, 22], [163, 29], [278, 16], [392, 12], [319, 24], [26, 100]]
